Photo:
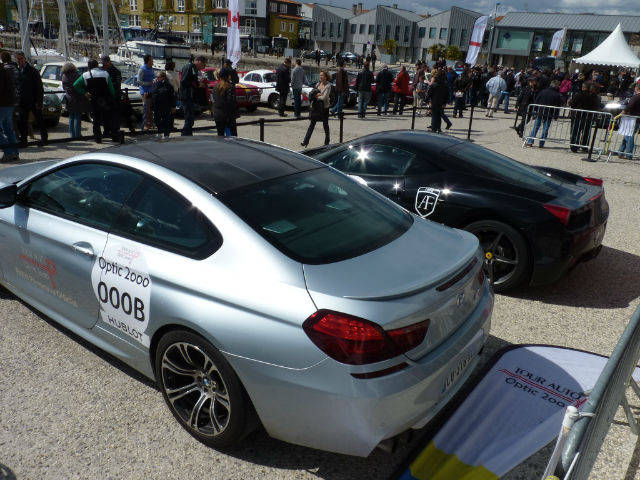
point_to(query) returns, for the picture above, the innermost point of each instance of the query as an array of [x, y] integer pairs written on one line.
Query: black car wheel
[[508, 251], [201, 389], [274, 101]]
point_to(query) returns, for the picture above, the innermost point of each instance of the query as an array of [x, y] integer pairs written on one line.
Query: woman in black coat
[[76, 103], [225, 104]]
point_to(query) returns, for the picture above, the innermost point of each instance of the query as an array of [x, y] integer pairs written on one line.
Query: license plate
[[459, 369]]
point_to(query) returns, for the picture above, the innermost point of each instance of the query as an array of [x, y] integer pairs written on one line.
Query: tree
[[390, 45], [51, 13], [79, 7], [453, 53], [437, 50]]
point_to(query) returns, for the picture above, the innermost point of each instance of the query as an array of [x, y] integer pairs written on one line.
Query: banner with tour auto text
[[514, 410]]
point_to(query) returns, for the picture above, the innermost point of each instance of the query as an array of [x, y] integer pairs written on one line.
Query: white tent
[[614, 51]]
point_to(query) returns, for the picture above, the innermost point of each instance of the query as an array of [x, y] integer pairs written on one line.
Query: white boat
[[162, 52]]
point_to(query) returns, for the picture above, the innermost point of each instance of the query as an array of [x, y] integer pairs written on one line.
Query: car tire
[[252, 108], [201, 389], [274, 101], [52, 122], [510, 253]]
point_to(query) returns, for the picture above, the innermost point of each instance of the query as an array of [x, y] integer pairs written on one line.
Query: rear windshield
[[320, 216], [480, 161], [270, 77]]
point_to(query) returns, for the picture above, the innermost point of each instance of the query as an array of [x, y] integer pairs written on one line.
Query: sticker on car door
[[426, 201], [121, 282]]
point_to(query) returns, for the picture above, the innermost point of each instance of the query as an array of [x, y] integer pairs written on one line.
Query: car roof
[[413, 138], [219, 164], [259, 71]]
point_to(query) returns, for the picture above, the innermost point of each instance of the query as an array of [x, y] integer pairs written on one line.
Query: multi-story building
[[330, 26], [452, 27], [522, 36], [284, 23]]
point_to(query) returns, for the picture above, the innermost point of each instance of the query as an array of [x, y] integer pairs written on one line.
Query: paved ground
[[69, 411]]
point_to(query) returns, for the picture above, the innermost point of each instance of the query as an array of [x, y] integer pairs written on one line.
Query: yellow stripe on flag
[[434, 464]]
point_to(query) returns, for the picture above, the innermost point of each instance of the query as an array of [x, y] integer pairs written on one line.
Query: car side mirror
[[8, 195]]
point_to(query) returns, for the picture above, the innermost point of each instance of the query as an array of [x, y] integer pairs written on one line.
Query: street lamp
[[493, 27]]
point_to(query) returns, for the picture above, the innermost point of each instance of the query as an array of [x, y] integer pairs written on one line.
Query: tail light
[[356, 341], [561, 213], [593, 181]]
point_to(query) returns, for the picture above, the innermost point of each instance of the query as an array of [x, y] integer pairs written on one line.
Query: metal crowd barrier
[[589, 431], [624, 129], [578, 129]]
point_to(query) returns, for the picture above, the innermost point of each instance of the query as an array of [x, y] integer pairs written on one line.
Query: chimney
[[359, 8], [395, 5], [355, 9]]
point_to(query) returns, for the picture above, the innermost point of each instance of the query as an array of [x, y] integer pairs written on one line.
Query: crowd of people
[[99, 91]]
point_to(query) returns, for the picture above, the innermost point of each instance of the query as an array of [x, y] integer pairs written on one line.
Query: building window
[[378, 32], [133, 5], [452, 37], [196, 23], [223, 21], [432, 32], [134, 20], [251, 8], [406, 34], [362, 27], [181, 6], [283, 8], [283, 26], [324, 29], [339, 29], [354, 26], [370, 29], [463, 37], [215, 21], [331, 29], [221, 4], [273, 7], [387, 31], [292, 28], [443, 33], [396, 35], [299, 11], [315, 29], [182, 20], [422, 31]]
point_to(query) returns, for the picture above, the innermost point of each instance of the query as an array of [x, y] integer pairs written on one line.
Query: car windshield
[[480, 161], [320, 216], [270, 77]]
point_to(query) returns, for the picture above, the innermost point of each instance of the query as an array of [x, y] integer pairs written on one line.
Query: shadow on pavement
[[611, 280]]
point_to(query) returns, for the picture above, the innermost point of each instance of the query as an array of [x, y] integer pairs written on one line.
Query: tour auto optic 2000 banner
[[515, 410]]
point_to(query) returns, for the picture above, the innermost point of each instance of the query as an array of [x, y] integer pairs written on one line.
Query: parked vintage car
[[247, 96], [266, 81]]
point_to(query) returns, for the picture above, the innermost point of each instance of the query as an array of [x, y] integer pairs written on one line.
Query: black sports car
[[536, 222]]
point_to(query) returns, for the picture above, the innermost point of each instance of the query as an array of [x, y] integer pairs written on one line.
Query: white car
[[266, 80]]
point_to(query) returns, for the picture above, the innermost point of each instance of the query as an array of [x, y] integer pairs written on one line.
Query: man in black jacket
[[384, 80], [438, 96], [549, 98], [189, 85], [31, 96], [283, 83], [581, 120], [527, 97], [364, 80]]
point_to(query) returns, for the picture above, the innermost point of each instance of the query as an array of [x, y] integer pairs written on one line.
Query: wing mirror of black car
[[8, 195]]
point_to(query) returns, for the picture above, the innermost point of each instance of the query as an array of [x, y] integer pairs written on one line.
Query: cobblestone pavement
[[70, 411]]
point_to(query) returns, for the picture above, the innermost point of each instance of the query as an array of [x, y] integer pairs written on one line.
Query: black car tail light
[[561, 213], [356, 341], [593, 181]]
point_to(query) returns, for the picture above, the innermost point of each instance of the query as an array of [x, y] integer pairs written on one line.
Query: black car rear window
[[320, 216], [477, 160]]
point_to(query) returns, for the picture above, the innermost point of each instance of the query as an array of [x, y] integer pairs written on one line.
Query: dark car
[[535, 223]]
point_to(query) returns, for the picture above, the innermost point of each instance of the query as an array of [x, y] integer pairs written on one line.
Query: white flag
[[475, 45], [556, 43], [234, 49]]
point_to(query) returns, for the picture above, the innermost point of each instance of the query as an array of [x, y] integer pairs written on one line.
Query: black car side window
[[88, 193], [160, 217]]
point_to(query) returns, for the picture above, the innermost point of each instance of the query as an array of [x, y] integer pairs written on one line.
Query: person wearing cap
[[189, 82], [384, 79], [226, 105]]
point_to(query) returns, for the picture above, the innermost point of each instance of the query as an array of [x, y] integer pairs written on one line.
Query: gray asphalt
[[67, 410]]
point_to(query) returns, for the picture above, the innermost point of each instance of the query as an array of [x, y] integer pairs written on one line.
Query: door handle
[[83, 248]]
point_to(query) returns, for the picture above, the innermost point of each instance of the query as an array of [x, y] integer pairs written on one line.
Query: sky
[[608, 7]]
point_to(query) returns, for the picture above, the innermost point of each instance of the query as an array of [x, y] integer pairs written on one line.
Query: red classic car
[[246, 95]]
